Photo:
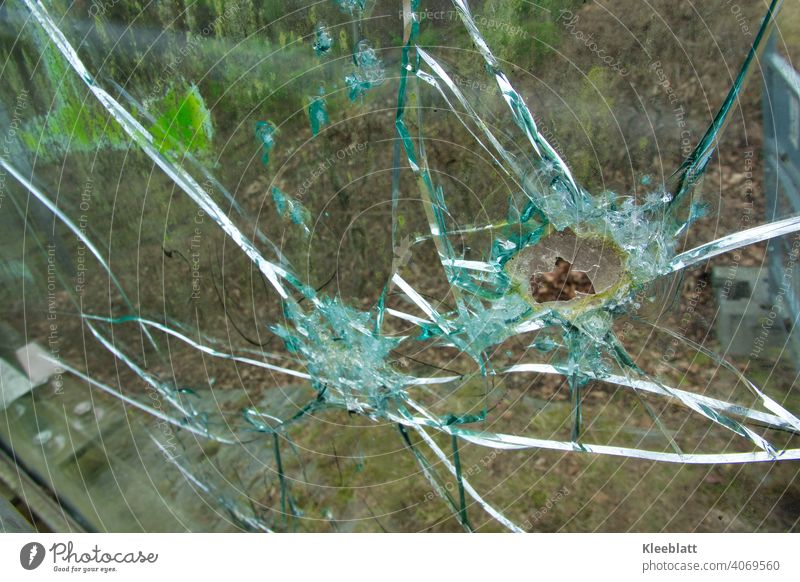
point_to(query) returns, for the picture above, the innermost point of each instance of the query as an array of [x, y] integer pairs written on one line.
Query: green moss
[[75, 122], [183, 122]]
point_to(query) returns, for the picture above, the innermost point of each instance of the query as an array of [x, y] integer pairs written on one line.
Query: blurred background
[[284, 113]]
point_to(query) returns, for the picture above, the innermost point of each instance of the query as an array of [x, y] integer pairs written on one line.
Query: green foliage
[[184, 122], [75, 122]]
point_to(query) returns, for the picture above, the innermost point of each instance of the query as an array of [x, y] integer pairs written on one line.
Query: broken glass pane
[[318, 253]]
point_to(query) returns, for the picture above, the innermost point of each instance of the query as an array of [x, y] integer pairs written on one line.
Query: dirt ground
[[350, 473]]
